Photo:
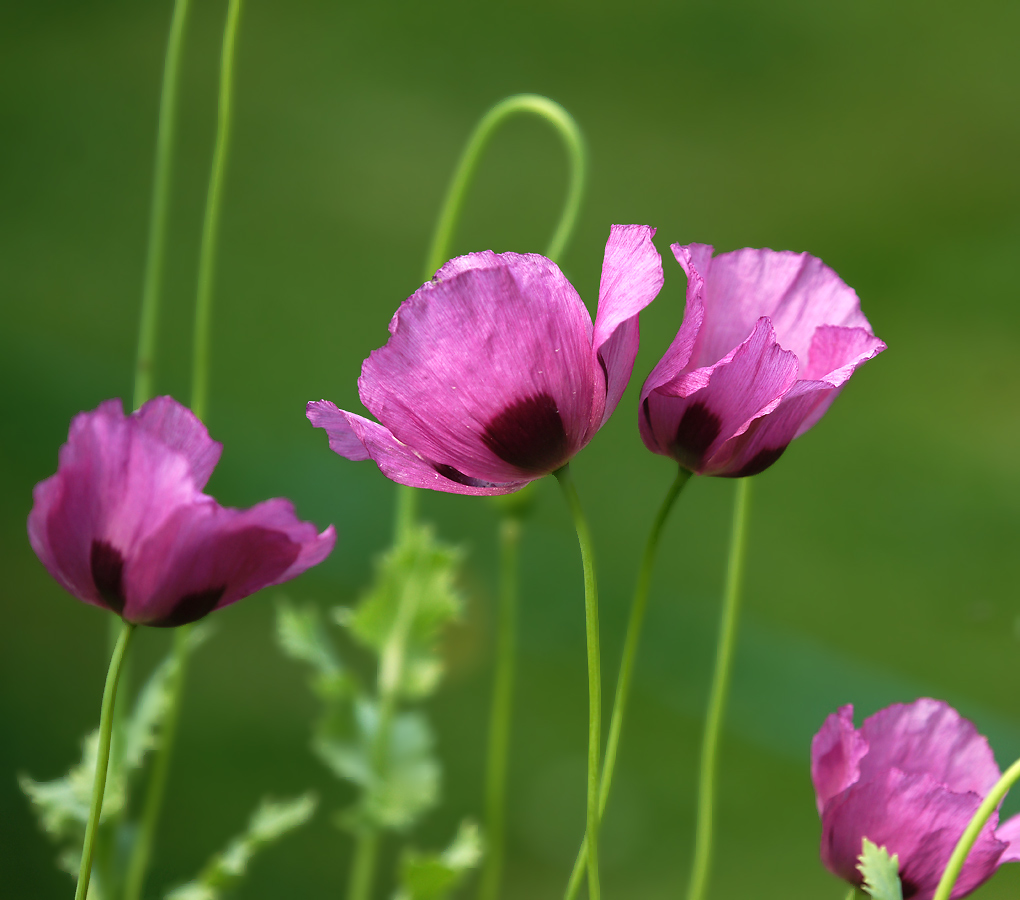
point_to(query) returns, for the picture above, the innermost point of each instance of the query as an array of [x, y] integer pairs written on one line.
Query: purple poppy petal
[[1009, 833], [489, 371], [836, 752], [206, 556], [116, 483], [181, 430], [395, 460], [915, 817], [631, 279], [929, 737], [797, 291], [691, 417]]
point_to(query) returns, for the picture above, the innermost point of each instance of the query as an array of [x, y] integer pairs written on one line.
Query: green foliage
[[433, 876], [881, 872], [363, 736], [270, 822], [62, 805]]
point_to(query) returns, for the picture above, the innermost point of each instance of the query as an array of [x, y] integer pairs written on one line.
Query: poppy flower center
[[191, 608], [698, 428], [529, 434]]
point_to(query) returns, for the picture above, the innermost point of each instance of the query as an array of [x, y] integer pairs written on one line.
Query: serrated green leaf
[[270, 822], [427, 568], [881, 872], [433, 876], [303, 636]]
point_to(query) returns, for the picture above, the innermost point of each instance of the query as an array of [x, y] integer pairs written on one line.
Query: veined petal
[[206, 556], [836, 752], [395, 460], [930, 737], [797, 291], [631, 279], [914, 817], [488, 371], [691, 417], [1009, 833], [181, 430]]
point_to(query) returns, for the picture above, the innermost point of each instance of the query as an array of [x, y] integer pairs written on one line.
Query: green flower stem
[[210, 227], [142, 849], [102, 758], [635, 623], [973, 829], [591, 621], [720, 689], [453, 204], [391, 675], [502, 707], [160, 207]]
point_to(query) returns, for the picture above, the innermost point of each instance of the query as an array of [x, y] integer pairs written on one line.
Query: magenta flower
[[493, 375], [910, 779], [124, 524], [767, 342]]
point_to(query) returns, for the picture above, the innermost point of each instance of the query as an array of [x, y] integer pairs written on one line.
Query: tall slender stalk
[[158, 214], [591, 623], [970, 834], [142, 850], [635, 623], [102, 758], [720, 690]]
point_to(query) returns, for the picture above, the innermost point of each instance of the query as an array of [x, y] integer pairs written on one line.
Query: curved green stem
[[591, 624], [453, 203], [635, 623], [973, 829], [102, 758], [502, 708], [210, 227], [565, 126], [719, 692], [158, 215]]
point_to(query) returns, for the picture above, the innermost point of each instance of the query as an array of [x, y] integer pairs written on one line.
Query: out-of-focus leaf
[[302, 636], [423, 570], [62, 805], [433, 876], [270, 822], [398, 787], [142, 731], [881, 872]]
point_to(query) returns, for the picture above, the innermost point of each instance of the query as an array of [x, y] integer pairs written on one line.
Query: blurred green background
[[883, 137]]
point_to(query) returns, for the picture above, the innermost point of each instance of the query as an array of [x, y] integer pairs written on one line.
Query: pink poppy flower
[[910, 780], [767, 342], [493, 375], [124, 524]]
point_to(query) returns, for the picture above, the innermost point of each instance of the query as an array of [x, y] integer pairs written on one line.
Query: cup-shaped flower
[[768, 340], [909, 779], [124, 525], [494, 375]]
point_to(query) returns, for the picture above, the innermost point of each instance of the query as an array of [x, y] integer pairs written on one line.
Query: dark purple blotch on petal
[[698, 428], [529, 434], [190, 608], [458, 476], [759, 463], [107, 565]]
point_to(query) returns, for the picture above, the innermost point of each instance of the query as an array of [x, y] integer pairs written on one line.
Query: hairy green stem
[[102, 758], [159, 212], [210, 227], [632, 640], [973, 829], [720, 690], [591, 623], [502, 709]]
